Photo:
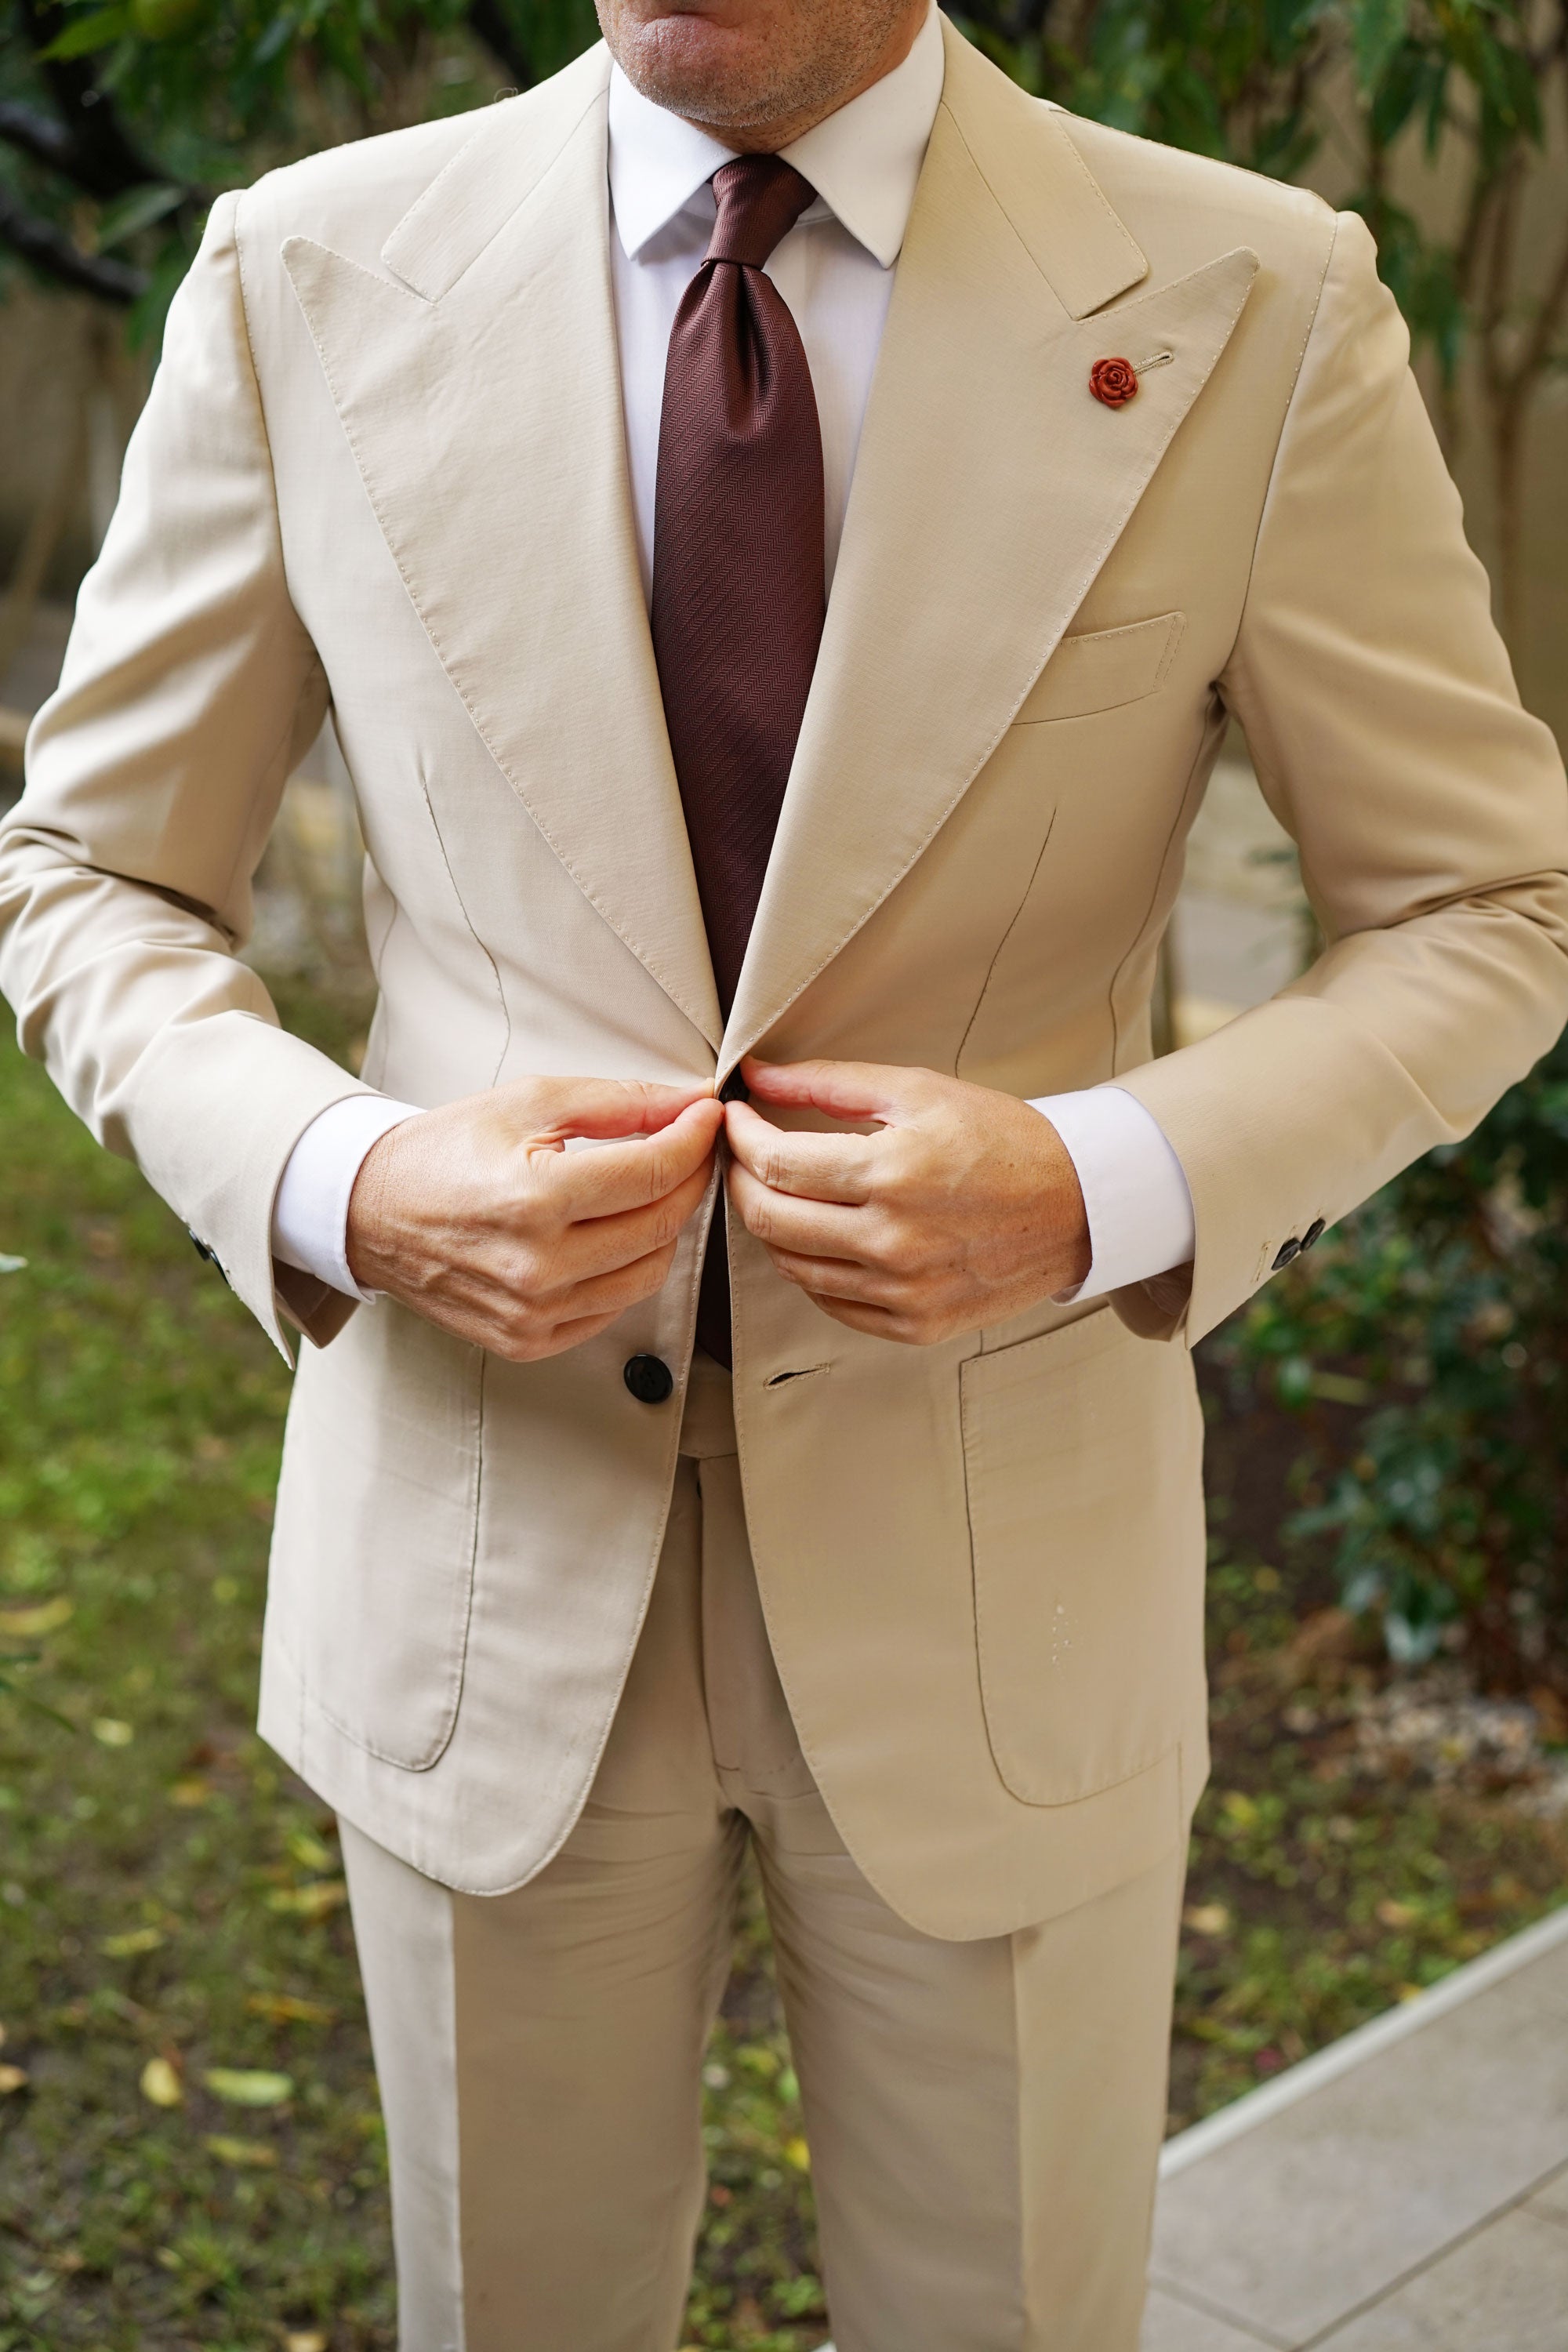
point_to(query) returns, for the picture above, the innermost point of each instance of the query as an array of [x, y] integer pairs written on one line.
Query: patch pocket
[[1102, 670], [373, 1550], [1083, 1463]]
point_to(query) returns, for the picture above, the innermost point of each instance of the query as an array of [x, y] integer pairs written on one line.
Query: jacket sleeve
[[1430, 812], [189, 692]]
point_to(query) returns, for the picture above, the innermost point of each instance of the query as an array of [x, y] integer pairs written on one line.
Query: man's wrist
[[1135, 1193], [310, 1212]]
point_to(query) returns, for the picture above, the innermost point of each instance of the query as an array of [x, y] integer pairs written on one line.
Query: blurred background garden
[[190, 2149]]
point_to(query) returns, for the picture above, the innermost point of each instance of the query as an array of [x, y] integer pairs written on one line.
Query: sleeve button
[[648, 1377], [1285, 1252], [1314, 1233]]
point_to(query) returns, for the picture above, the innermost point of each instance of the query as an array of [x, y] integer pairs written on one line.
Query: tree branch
[[38, 135], [51, 251]]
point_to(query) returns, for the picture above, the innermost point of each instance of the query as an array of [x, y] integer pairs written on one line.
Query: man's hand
[[479, 1218], [962, 1208]]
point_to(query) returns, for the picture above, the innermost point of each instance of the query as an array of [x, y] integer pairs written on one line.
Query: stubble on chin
[[738, 78]]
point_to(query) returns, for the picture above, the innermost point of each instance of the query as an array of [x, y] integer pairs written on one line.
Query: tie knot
[[759, 197]]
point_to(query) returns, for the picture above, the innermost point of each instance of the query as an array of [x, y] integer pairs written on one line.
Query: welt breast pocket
[[1100, 670]]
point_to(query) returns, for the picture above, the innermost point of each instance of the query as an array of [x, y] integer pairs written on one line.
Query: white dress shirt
[[835, 270]]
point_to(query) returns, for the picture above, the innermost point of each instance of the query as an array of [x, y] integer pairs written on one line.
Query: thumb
[[880, 1092]]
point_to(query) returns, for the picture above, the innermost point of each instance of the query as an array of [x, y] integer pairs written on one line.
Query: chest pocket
[[1104, 669]]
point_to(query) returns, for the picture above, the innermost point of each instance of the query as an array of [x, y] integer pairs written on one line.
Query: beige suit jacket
[[383, 469]]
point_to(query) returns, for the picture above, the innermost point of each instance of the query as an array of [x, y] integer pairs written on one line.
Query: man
[[531, 447]]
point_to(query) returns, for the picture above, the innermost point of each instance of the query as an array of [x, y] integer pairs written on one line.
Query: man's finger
[[553, 1108], [853, 1090], [810, 1228], [595, 1246], [628, 1175], [837, 1277], [818, 1167]]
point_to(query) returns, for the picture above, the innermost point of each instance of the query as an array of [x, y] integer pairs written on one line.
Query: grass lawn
[[190, 2149]]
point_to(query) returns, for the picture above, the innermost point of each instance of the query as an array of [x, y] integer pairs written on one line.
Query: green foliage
[[1445, 1300]]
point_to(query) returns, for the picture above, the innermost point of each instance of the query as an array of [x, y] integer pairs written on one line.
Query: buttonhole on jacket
[[806, 1372]]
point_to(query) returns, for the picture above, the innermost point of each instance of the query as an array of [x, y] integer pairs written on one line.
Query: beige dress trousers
[[983, 2117]]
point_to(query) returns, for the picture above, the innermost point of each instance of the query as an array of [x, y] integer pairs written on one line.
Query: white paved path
[[1405, 2190]]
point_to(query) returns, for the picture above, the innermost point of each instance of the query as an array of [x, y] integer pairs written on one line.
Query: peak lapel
[[989, 489], [481, 398]]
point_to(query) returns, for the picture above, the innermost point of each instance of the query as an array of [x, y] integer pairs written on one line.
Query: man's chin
[[706, 72]]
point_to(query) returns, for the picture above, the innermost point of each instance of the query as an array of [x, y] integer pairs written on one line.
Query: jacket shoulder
[[1183, 209]]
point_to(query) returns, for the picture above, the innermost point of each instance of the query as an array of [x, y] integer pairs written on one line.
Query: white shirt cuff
[[1139, 1208], [310, 1213]]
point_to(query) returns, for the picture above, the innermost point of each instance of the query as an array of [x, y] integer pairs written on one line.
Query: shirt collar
[[863, 161]]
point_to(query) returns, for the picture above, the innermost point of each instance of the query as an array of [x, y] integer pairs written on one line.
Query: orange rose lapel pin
[[1113, 381]]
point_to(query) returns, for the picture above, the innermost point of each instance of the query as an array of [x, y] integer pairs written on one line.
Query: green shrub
[[1442, 1306]]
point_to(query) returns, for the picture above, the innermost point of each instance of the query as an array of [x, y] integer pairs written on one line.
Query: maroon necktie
[[738, 592]]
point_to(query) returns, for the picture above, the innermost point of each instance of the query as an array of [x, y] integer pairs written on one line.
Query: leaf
[[42, 1617], [307, 1850], [311, 1902], [159, 20], [245, 2087], [797, 2153], [1378, 30], [1207, 1918], [251, 2153], [289, 2009], [190, 1793], [112, 1732], [137, 209], [11, 2078], [133, 1940], [161, 2085], [93, 31]]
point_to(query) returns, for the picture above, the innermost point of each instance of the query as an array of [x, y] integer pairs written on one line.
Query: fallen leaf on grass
[[289, 2009], [161, 2085], [307, 1850], [1207, 1918], [312, 2341], [112, 1732], [190, 1793], [252, 2152], [11, 2078], [41, 1617], [311, 1902], [135, 1940], [1397, 1914], [248, 2087], [797, 2153]]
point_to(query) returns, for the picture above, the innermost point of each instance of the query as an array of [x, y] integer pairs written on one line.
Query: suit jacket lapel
[[989, 489], [479, 389]]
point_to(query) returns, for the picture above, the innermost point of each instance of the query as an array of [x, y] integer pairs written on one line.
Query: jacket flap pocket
[[1102, 668]]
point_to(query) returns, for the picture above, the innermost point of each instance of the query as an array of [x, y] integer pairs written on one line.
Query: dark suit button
[[200, 1248], [1285, 1252], [1314, 1233], [648, 1377], [734, 1089]]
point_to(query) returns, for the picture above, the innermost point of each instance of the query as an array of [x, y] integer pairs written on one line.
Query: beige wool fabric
[[382, 468]]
